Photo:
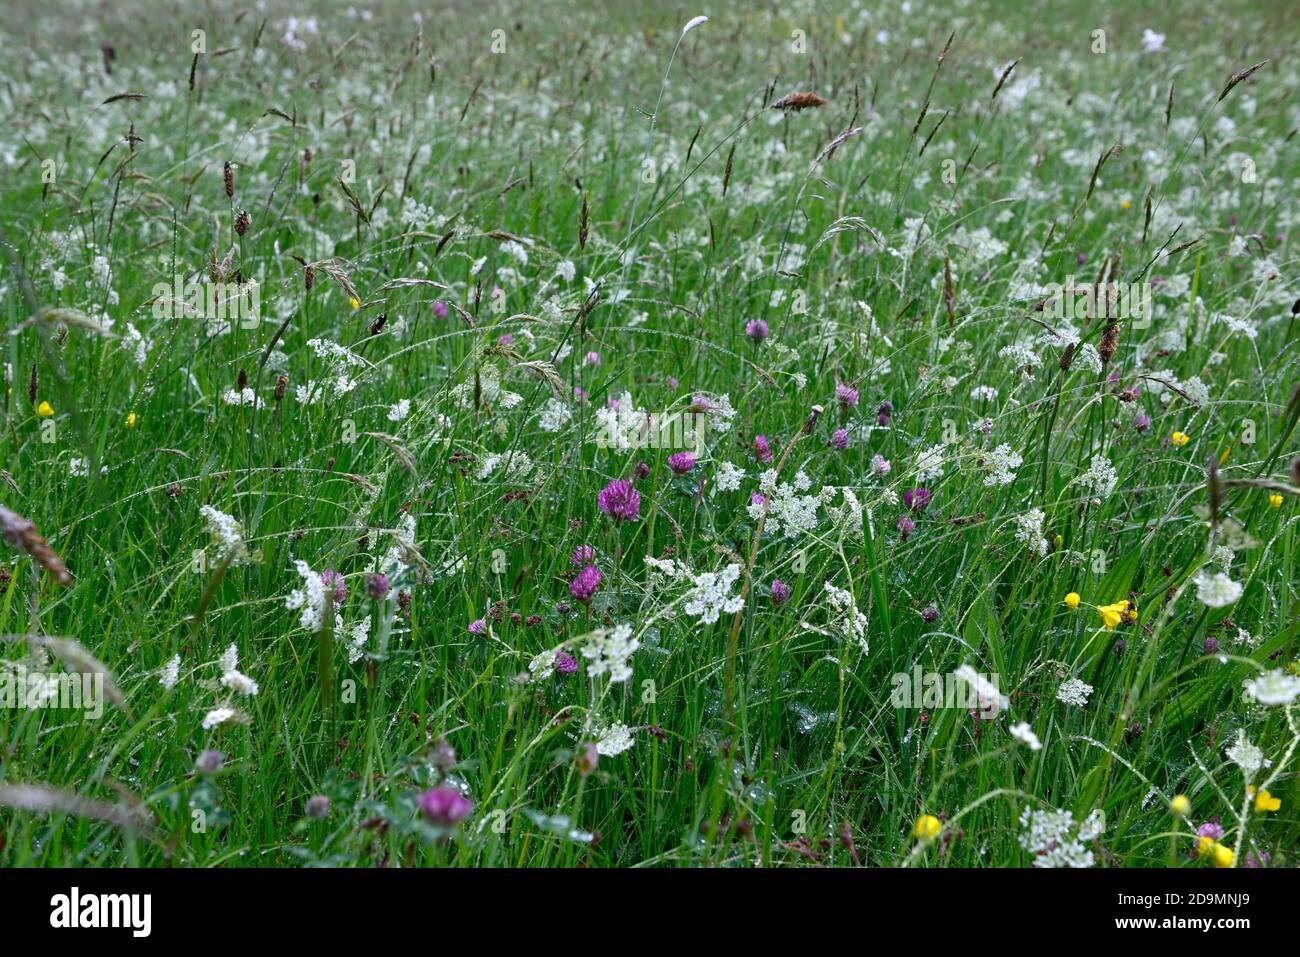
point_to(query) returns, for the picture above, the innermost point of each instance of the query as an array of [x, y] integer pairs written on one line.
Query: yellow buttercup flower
[[1126, 204], [1180, 439], [1265, 802], [354, 303], [1275, 500], [1222, 855], [1205, 846], [1112, 615], [927, 827], [1072, 600], [1181, 805], [45, 410], [131, 420]]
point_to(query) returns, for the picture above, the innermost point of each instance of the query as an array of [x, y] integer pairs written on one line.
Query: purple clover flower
[[620, 501], [444, 805], [917, 499], [681, 463], [584, 584], [332, 580]]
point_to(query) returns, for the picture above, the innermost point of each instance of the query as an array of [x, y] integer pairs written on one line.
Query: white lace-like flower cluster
[[609, 653], [1029, 531], [1056, 839], [711, 595]]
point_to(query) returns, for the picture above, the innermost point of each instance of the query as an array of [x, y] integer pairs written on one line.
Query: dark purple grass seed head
[[444, 805], [620, 501], [585, 583], [681, 463], [377, 585], [780, 592]]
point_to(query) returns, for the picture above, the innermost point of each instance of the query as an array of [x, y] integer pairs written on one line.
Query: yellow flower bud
[[1275, 500], [927, 827], [1072, 600], [1181, 805], [45, 410]]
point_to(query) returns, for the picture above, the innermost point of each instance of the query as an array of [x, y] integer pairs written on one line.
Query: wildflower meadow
[[575, 434]]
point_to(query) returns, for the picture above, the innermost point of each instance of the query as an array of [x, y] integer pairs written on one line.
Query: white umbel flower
[[613, 740], [170, 673], [1025, 734], [1217, 590], [1274, 688], [310, 598], [217, 716], [712, 596], [1074, 692], [609, 653]]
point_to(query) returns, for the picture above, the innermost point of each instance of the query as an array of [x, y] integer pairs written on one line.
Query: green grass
[[903, 262]]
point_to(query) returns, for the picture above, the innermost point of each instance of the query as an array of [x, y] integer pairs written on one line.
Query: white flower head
[[1274, 688], [1217, 590]]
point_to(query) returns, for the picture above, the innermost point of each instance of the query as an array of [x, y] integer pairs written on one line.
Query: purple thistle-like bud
[[1142, 422], [445, 805], [840, 439], [478, 626], [905, 527], [620, 501], [641, 472], [681, 462], [377, 585], [929, 614], [846, 395], [762, 450], [756, 329], [440, 309], [780, 592], [583, 555], [565, 663], [318, 807], [584, 584], [917, 499], [1211, 644]]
